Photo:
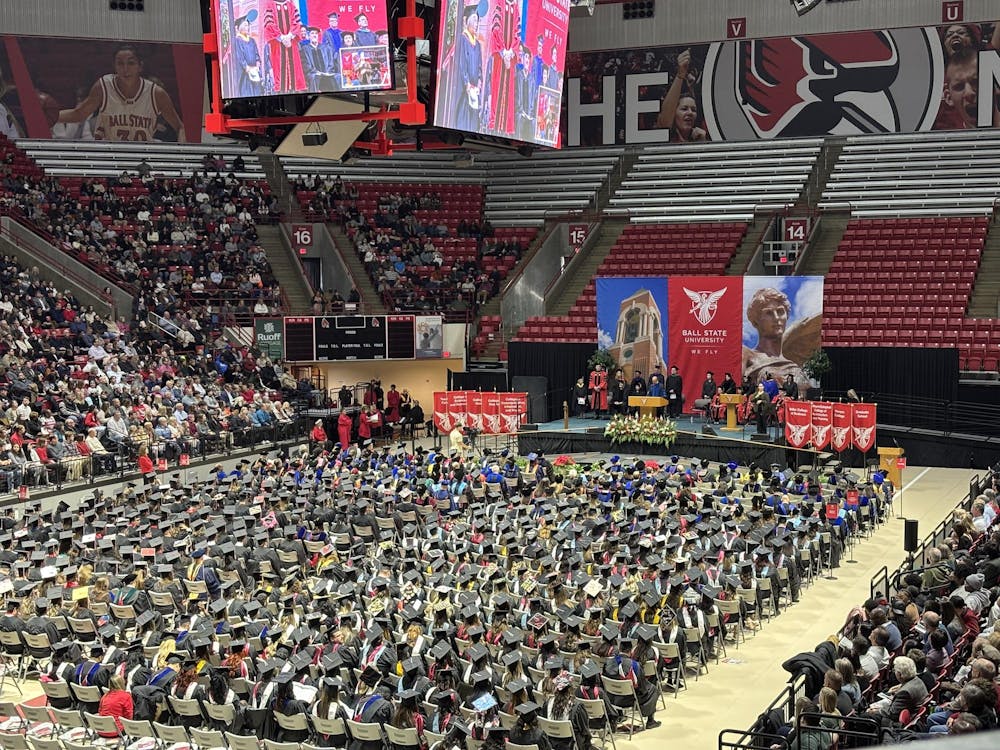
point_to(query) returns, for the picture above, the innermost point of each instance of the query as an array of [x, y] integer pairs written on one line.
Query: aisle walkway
[[733, 694]]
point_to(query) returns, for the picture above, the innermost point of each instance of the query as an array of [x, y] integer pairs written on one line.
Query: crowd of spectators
[[457, 596], [186, 248], [83, 393], [923, 661], [415, 264]]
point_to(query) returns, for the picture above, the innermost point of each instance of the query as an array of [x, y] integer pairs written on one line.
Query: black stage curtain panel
[[907, 383], [485, 381], [560, 364]]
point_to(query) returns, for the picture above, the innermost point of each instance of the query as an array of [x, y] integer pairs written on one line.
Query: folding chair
[[361, 732], [672, 651], [432, 738], [14, 741], [102, 726], [44, 743], [292, 722], [401, 738], [561, 731], [786, 588], [162, 601], [224, 714], [700, 659], [241, 742], [70, 725], [86, 695], [39, 649], [38, 721], [136, 729], [713, 622], [623, 689], [124, 615], [651, 673], [170, 735], [806, 565], [207, 739], [515, 746], [749, 599], [83, 628], [765, 596], [195, 589], [57, 690], [185, 708], [328, 728], [272, 745], [507, 721], [13, 653], [731, 608]]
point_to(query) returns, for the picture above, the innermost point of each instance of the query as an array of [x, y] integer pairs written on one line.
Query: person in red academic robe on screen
[[344, 426], [598, 387], [505, 43], [282, 30]]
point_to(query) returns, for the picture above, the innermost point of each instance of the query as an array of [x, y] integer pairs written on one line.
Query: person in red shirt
[[966, 615], [117, 702], [145, 462], [318, 435]]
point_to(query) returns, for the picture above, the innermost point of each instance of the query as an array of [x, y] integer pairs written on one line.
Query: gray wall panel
[[675, 22], [162, 20]]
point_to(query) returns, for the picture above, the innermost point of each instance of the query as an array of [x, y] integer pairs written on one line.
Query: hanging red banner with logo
[[798, 423], [705, 324], [491, 413], [863, 422], [458, 403], [822, 420], [474, 410], [840, 434], [442, 420], [513, 411]]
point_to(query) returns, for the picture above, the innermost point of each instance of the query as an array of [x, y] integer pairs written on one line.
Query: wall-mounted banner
[[845, 83], [489, 413]]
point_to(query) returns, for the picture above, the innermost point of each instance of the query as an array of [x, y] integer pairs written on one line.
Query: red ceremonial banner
[[513, 411], [474, 410], [798, 421], [840, 435], [705, 323], [863, 426], [442, 420], [491, 413], [458, 402], [822, 421]]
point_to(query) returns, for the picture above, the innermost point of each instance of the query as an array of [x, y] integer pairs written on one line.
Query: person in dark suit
[[908, 694]]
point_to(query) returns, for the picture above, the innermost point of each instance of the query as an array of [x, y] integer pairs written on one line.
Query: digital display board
[[500, 68], [299, 340], [345, 337], [400, 337], [274, 47]]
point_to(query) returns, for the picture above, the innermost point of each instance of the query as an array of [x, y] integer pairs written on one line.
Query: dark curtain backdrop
[[910, 385], [560, 364], [485, 381]]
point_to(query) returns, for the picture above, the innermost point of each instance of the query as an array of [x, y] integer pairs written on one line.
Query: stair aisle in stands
[[984, 302], [819, 254], [745, 252], [286, 269], [371, 302]]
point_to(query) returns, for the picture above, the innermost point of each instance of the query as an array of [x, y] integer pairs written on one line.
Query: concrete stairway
[[819, 255], [822, 168], [984, 302], [277, 180], [286, 268], [585, 268], [370, 300], [755, 230]]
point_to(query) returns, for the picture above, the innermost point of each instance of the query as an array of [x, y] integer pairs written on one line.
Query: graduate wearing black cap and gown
[[370, 707]]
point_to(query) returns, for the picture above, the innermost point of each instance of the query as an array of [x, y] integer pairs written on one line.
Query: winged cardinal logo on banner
[[863, 435], [840, 435], [704, 305], [820, 433], [492, 422], [797, 434]]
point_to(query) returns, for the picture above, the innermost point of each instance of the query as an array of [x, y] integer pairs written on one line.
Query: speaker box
[[595, 431], [760, 437], [706, 430], [529, 427], [910, 535]]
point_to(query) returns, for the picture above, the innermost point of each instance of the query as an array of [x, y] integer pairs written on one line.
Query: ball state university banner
[[748, 326], [845, 83]]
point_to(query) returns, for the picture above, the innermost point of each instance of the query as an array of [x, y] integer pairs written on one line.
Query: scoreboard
[[334, 338]]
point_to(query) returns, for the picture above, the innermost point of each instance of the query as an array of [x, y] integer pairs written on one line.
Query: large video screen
[[272, 47], [500, 68]]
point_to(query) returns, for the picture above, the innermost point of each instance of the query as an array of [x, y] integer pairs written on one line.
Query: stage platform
[[587, 436]]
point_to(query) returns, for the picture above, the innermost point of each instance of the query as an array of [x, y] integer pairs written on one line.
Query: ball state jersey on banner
[[123, 119]]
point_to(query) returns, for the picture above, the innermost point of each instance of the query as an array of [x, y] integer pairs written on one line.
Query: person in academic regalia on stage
[[504, 47], [581, 398], [282, 31], [344, 426], [469, 62], [248, 60], [618, 396], [599, 391]]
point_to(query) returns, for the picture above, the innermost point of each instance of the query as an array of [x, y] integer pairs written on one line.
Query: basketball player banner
[[98, 89], [753, 327], [901, 80], [490, 413]]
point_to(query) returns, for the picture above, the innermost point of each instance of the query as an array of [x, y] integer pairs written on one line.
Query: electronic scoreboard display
[[339, 338]]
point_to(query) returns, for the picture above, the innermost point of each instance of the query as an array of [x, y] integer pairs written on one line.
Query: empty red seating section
[[643, 250], [906, 282]]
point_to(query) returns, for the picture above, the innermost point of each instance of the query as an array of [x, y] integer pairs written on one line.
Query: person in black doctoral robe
[[618, 394], [674, 387]]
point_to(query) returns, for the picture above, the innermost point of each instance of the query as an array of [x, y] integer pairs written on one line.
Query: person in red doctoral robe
[[344, 426], [598, 387], [392, 402], [282, 29], [365, 424], [505, 44]]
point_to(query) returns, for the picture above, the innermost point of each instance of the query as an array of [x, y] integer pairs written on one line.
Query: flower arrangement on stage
[[564, 461], [649, 430]]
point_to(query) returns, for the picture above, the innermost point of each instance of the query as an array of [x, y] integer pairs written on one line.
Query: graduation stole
[[159, 676], [85, 676], [364, 707], [193, 571]]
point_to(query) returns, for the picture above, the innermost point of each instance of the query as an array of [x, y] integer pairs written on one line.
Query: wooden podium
[[731, 400], [647, 405], [887, 457]]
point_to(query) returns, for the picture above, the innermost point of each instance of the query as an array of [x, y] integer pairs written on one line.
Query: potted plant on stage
[[602, 357], [641, 431], [815, 367]]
